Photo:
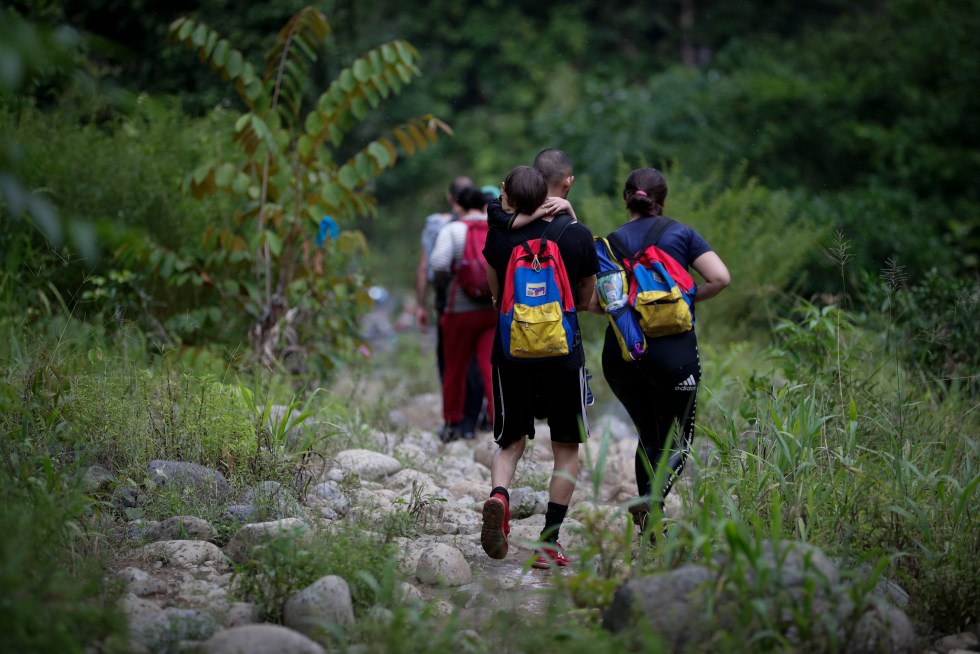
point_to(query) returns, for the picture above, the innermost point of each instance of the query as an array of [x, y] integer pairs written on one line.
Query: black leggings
[[661, 402]]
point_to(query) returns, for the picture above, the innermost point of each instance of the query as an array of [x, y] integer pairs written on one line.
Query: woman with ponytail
[[659, 390]]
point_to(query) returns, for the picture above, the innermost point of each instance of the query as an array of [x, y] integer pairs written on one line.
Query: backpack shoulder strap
[[555, 229], [652, 237]]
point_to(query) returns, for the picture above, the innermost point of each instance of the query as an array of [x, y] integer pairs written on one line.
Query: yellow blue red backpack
[[537, 308], [661, 291]]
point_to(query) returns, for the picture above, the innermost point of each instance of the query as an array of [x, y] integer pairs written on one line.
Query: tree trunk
[[689, 53]]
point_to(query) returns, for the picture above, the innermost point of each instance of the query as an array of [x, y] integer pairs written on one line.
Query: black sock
[[502, 491], [552, 522]]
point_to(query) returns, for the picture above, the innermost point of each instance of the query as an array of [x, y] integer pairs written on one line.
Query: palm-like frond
[[288, 62], [215, 50]]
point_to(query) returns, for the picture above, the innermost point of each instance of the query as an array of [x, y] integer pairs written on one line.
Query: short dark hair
[[471, 198], [554, 164], [526, 189]]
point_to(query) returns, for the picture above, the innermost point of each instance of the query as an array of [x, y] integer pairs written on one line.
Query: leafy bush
[[52, 594], [866, 463], [929, 322], [125, 418], [286, 565]]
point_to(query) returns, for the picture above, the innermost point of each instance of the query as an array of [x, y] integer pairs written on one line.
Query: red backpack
[[470, 272]]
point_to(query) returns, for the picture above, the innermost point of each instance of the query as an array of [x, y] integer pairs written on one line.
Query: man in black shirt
[[552, 389]]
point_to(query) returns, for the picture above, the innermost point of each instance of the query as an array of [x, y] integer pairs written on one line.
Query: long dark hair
[[645, 192]]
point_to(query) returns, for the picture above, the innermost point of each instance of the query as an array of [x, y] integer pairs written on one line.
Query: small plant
[[417, 514], [286, 565]]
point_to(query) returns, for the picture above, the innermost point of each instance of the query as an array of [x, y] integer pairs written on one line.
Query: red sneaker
[[552, 554], [496, 526]]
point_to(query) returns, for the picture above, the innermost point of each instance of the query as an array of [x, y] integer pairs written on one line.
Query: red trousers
[[463, 336]]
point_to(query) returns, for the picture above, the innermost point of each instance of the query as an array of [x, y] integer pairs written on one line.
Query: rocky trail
[[179, 581]]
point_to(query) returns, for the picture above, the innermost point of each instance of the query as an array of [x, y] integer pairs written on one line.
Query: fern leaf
[[210, 47]]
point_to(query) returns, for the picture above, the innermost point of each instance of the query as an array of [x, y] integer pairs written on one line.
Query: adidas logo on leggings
[[687, 385]]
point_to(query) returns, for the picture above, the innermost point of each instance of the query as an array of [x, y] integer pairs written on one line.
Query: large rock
[[618, 429], [792, 561], [249, 536], [407, 481], [97, 478], [260, 639], [206, 481], [163, 630], [324, 604], [459, 520], [443, 565], [140, 583], [484, 451], [642, 601], [185, 553], [328, 495], [885, 629], [795, 583], [525, 502], [184, 527], [368, 464], [273, 501]]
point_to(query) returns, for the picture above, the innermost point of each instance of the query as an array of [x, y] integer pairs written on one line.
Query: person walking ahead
[[525, 389], [474, 415], [660, 389], [467, 323]]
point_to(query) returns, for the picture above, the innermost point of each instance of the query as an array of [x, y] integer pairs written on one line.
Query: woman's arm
[[552, 206], [715, 273]]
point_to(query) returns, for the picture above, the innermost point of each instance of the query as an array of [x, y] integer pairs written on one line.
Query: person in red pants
[[468, 323]]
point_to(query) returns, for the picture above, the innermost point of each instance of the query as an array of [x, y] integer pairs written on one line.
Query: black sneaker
[[450, 433]]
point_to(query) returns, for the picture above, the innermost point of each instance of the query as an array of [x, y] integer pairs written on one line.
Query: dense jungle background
[[207, 207]]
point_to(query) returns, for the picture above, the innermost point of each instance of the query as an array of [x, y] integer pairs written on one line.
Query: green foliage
[[286, 565], [124, 419], [31, 56], [929, 322], [52, 594], [808, 345], [120, 177], [866, 464], [293, 171], [414, 517]]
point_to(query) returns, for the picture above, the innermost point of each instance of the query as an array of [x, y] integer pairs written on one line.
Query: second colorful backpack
[[661, 291]]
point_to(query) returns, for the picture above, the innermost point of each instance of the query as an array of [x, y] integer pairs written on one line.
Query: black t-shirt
[[579, 256]]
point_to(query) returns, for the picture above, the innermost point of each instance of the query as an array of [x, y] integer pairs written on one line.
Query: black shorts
[[523, 393]]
